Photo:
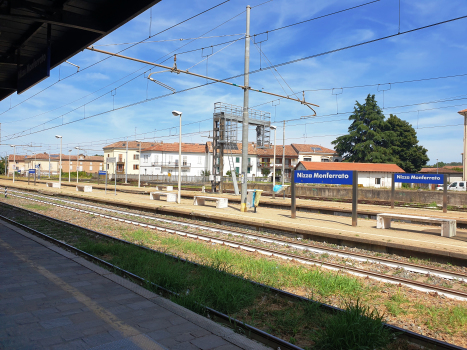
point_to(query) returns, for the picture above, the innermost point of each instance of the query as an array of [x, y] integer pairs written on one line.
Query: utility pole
[[283, 157], [126, 161], [245, 125]]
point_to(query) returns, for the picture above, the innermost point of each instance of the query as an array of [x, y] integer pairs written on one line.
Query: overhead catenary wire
[[278, 65], [106, 58]]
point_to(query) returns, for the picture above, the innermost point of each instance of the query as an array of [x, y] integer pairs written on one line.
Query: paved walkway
[[52, 299]]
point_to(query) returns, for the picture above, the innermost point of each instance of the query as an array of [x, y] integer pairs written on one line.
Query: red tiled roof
[[379, 167], [269, 152], [452, 167], [251, 148], [438, 170], [173, 147], [300, 147], [463, 111], [131, 144], [17, 157], [56, 157]]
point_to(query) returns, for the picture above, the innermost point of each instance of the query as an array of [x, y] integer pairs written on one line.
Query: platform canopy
[[38, 35]]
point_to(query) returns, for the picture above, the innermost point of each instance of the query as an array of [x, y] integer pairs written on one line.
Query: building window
[[145, 158], [135, 166], [135, 156], [237, 170], [185, 161], [237, 160], [71, 167], [378, 181], [248, 170], [108, 166], [199, 160], [324, 160], [90, 167], [307, 159]]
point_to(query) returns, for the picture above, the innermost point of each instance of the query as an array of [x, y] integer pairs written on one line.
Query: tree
[[265, 172], [205, 173], [403, 144], [3, 161], [366, 139], [372, 139]]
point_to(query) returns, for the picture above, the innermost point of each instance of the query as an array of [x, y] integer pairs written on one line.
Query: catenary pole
[[245, 125], [283, 157]]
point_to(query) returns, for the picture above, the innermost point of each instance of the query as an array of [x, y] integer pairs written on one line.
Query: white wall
[[318, 158], [161, 163]]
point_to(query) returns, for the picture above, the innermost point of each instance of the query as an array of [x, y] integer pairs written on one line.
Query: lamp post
[[175, 114], [139, 164], [274, 162], [14, 161], [60, 166], [69, 165], [464, 154], [77, 163]]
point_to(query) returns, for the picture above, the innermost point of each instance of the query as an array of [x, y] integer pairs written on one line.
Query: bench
[[53, 184], [164, 188], [448, 226], [220, 202], [84, 188], [171, 197]]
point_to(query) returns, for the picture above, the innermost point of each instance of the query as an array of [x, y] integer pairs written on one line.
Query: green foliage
[[3, 160], [265, 172], [205, 173], [358, 328], [372, 139]]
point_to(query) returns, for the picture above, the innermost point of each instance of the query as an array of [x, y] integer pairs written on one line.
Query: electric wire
[[106, 58]]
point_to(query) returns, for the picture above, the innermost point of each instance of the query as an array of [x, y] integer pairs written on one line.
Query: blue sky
[[429, 105]]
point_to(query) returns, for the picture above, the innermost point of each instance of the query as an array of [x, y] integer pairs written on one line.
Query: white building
[[235, 156], [375, 175], [315, 153], [162, 159], [123, 150]]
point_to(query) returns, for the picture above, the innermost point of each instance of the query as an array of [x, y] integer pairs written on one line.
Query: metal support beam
[[354, 197]]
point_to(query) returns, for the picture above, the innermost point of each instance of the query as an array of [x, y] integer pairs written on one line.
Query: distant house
[[266, 159], [374, 175], [16, 162], [315, 153], [125, 152], [452, 175], [163, 159]]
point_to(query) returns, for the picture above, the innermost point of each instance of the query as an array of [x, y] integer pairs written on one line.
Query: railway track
[[181, 230], [252, 332]]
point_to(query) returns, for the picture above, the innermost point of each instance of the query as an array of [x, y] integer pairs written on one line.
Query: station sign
[[111, 159], [33, 72], [32, 171], [102, 172], [419, 178], [335, 177]]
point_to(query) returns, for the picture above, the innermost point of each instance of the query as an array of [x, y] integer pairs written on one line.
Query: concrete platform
[[52, 299], [421, 240]]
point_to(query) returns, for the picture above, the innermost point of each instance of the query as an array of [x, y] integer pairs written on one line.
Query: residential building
[[233, 158], [50, 163], [123, 150], [452, 175], [16, 162], [44, 163], [163, 159], [266, 160], [315, 153], [375, 175]]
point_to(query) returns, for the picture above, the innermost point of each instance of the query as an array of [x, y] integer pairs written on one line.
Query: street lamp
[[175, 114], [60, 168], [77, 163], [14, 161], [139, 164], [69, 165], [274, 162]]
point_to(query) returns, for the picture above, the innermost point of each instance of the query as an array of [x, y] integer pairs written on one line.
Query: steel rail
[[417, 268], [258, 334], [420, 286]]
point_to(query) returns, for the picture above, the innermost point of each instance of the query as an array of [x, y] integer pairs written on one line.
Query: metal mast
[[246, 84]]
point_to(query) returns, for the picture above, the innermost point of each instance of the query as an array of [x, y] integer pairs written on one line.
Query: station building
[[373, 175]]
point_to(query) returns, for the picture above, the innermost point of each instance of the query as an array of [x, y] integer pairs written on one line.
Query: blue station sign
[[32, 171], [419, 178], [102, 172], [324, 177]]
